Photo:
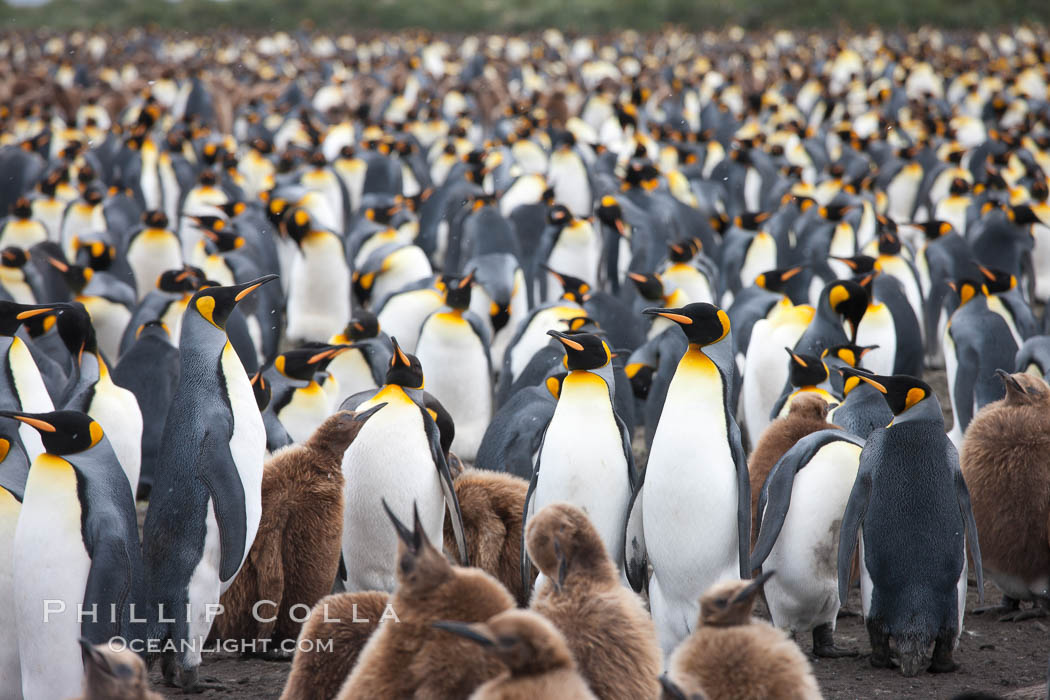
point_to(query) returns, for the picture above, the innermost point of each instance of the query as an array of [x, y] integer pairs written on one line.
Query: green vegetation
[[517, 15]]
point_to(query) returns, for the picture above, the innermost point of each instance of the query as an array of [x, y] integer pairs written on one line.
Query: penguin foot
[[845, 612], [1006, 605], [942, 657], [883, 661], [1022, 615], [824, 644]]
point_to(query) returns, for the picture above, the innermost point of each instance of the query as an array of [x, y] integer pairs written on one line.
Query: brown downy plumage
[[1004, 462], [733, 655], [538, 661], [608, 630], [344, 620], [806, 415], [409, 657], [114, 675], [295, 556], [492, 504]]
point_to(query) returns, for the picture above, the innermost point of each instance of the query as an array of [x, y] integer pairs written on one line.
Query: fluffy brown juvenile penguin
[[806, 415], [492, 504], [331, 641], [409, 657], [732, 655], [114, 675], [1004, 462], [295, 556], [608, 630], [538, 661]]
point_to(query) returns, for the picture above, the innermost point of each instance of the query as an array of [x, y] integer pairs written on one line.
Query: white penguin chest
[[51, 563], [877, 329], [352, 372], [248, 442], [31, 393], [307, 409]]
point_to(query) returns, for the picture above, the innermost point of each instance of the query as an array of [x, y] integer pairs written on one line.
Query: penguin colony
[[280, 290]]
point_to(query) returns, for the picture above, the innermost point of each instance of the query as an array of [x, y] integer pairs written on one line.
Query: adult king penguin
[[76, 542], [683, 493], [207, 493], [399, 456], [455, 340], [912, 508], [585, 457]]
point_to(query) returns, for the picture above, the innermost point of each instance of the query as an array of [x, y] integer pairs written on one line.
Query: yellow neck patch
[[915, 395], [206, 308], [96, 433], [5, 447]]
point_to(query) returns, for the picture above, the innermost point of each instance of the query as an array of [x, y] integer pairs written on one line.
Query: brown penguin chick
[[330, 642], [114, 675], [608, 630], [1004, 463], [295, 556], [807, 414], [492, 504], [732, 655], [408, 656], [538, 661]]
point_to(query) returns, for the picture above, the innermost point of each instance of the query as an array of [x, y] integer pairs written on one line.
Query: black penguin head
[[1024, 215], [703, 323], [610, 214], [559, 216], [997, 281], [967, 289], [180, 281], [776, 280], [303, 363], [215, 304], [96, 255], [583, 351], [683, 251], [849, 300], [62, 432], [76, 277], [457, 291], [751, 220], [650, 286], [573, 288], [155, 219], [405, 370], [641, 173], [362, 326], [858, 264], [806, 370], [224, 240], [934, 229], [22, 208], [889, 243], [13, 257], [76, 331], [900, 390], [849, 353], [13, 314], [298, 223]]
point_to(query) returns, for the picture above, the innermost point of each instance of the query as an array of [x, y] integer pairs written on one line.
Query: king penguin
[[585, 456], [684, 494], [799, 511], [455, 340], [912, 509], [363, 365], [399, 458], [76, 542], [22, 388], [207, 493], [318, 283], [14, 468]]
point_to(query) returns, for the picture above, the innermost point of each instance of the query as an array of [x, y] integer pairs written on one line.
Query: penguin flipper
[[851, 522], [526, 563], [965, 386], [109, 583], [227, 498], [963, 494], [743, 493], [775, 497], [634, 552], [451, 501]]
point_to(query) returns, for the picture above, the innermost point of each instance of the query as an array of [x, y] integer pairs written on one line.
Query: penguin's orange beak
[[32, 422], [567, 341]]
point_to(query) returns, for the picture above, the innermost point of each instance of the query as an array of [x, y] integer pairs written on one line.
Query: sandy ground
[[1002, 659]]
